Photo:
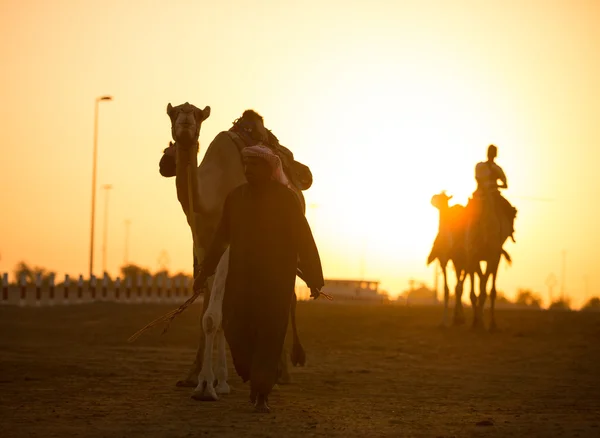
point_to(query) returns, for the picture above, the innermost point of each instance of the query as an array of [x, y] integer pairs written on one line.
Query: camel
[[201, 191], [449, 246], [486, 233], [457, 242]]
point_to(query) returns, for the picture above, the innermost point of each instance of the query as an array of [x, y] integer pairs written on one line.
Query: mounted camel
[[451, 245], [201, 191], [490, 223], [473, 234]]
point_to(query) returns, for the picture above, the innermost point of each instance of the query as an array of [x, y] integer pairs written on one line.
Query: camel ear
[[171, 112], [201, 115], [450, 197]]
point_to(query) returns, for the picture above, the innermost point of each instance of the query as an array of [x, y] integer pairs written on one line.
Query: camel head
[[440, 201], [186, 121]]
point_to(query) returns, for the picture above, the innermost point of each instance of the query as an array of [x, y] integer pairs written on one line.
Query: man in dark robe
[[269, 240]]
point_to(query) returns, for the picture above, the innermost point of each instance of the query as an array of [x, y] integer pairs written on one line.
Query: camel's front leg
[[446, 294], [211, 324], [297, 355], [459, 314], [191, 380], [478, 310], [222, 374]]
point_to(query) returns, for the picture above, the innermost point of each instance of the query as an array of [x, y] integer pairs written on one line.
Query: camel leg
[[478, 310], [283, 377], [473, 295], [298, 355], [494, 274], [191, 380], [222, 375], [211, 324], [459, 313], [205, 390], [446, 295]]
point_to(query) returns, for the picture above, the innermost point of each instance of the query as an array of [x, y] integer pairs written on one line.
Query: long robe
[[269, 239]]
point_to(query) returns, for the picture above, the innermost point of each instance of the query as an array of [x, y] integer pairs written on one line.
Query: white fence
[[142, 290]]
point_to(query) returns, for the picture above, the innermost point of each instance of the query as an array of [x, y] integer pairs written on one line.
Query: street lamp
[[98, 100], [105, 187]]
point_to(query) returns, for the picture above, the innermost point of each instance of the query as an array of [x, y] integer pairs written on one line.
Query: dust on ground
[[372, 371]]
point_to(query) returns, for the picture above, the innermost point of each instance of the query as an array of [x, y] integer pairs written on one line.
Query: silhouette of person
[[487, 174], [269, 239]]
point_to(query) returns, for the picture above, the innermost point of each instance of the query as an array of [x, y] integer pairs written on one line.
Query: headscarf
[[274, 161]]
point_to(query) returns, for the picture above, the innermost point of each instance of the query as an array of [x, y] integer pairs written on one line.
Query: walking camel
[[201, 191], [466, 243]]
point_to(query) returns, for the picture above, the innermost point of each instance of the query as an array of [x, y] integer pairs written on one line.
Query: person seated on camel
[[487, 174]]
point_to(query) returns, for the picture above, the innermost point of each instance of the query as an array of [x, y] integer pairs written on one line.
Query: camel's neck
[[186, 164], [444, 217], [187, 153]]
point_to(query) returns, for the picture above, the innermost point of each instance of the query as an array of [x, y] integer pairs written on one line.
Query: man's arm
[[502, 178], [309, 260]]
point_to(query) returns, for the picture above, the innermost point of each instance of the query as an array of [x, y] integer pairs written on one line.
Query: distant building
[[362, 290], [421, 296], [346, 290]]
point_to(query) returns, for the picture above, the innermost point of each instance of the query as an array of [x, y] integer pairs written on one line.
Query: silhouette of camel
[[487, 230], [455, 234]]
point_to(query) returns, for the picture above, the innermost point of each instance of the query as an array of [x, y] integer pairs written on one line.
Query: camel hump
[[222, 145]]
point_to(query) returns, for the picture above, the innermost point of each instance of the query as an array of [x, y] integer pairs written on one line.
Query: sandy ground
[[372, 371]]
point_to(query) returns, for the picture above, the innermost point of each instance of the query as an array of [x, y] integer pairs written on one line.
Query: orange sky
[[388, 102]]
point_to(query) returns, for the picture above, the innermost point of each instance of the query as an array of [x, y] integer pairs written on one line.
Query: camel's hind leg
[[222, 375], [283, 377], [493, 269], [211, 324], [446, 294], [297, 355]]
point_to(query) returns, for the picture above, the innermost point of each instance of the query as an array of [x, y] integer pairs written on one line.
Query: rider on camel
[[487, 174]]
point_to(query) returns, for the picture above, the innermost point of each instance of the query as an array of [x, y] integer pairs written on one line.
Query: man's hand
[[315, 293]]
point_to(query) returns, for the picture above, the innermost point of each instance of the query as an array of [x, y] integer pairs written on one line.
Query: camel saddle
[[298, 173]]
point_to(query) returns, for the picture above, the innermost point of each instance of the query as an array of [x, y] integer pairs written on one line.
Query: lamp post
[[98, 100], [105, 187]]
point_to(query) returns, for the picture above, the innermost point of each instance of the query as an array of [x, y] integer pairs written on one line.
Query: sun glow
[[404, 141], [388, 103]]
